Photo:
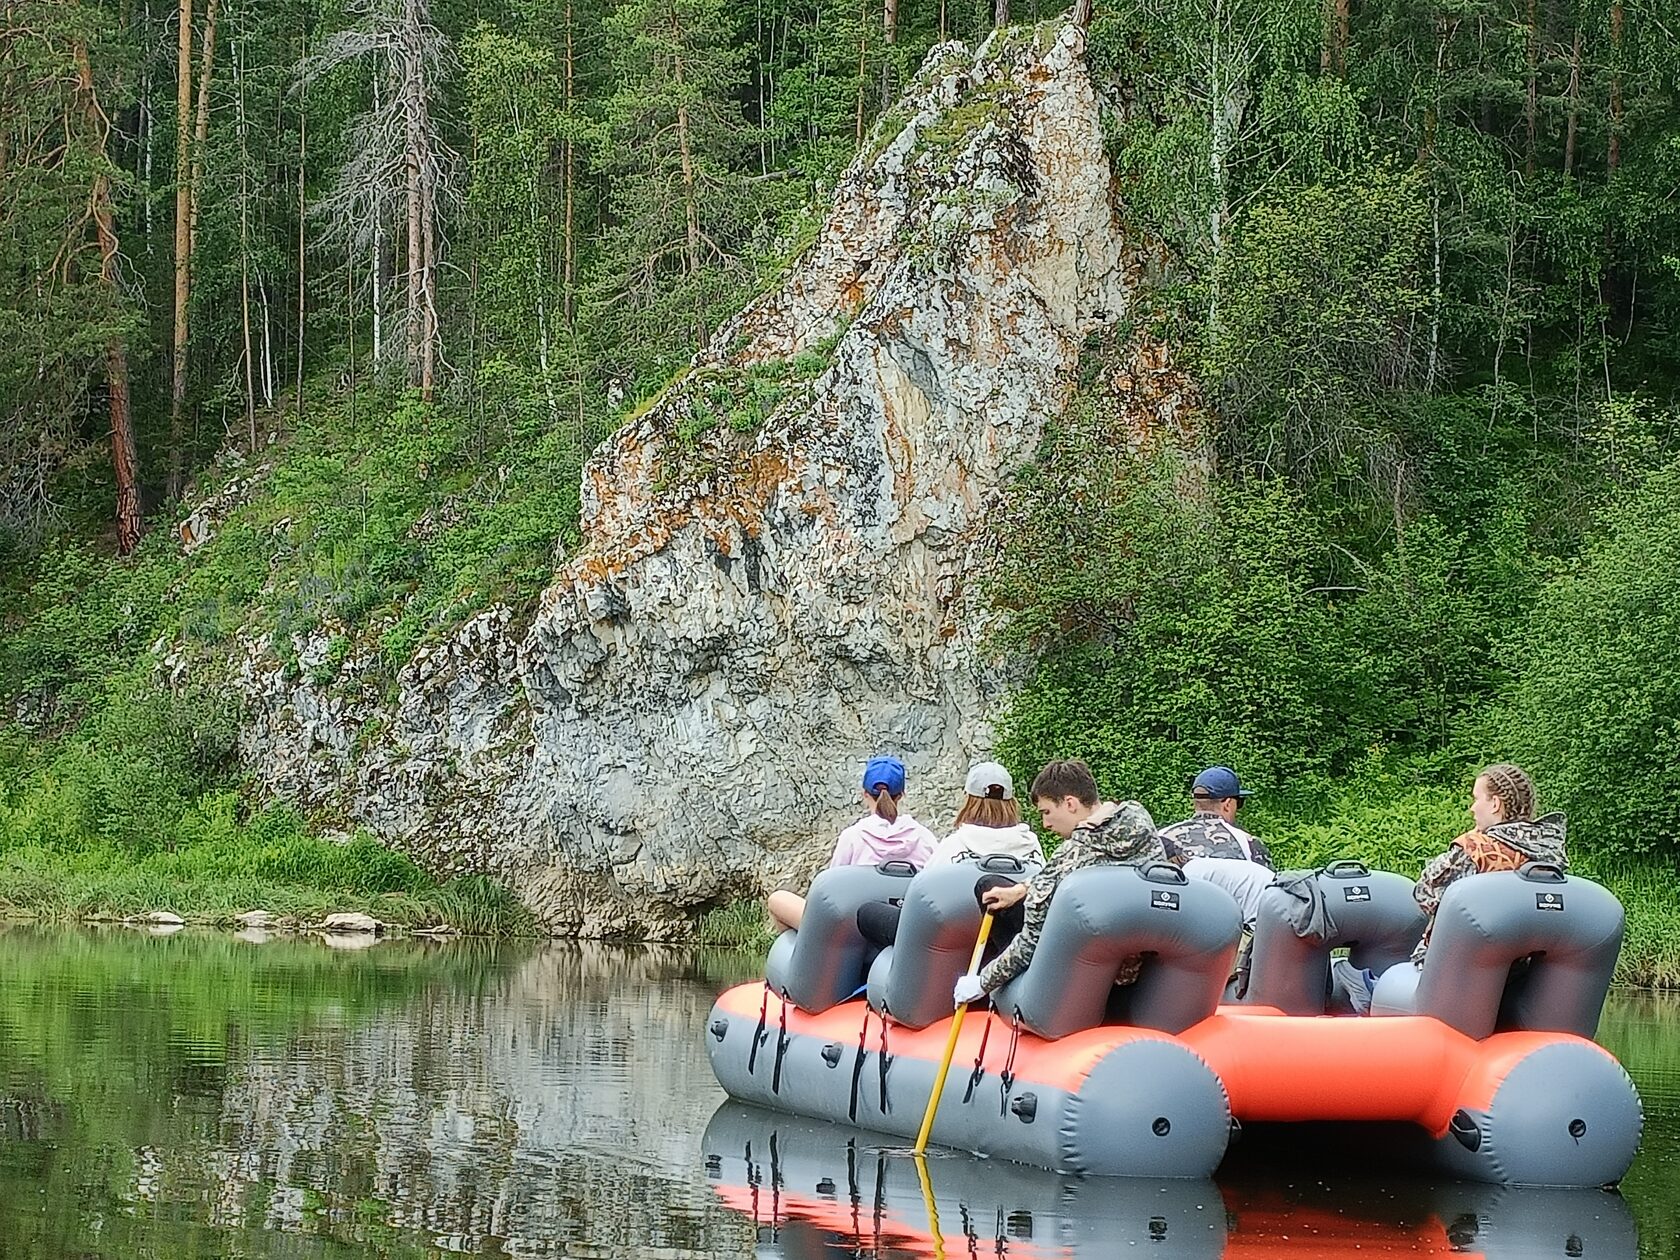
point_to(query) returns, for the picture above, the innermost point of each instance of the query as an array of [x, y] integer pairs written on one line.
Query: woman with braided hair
[[1506, 835]]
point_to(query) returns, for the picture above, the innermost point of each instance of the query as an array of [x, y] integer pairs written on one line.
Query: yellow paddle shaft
[[951, 1041]]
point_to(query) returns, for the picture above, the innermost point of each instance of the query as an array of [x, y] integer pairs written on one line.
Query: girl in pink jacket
[[884, 834]]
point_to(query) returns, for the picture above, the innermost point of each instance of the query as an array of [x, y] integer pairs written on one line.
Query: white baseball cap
[[983, 776]]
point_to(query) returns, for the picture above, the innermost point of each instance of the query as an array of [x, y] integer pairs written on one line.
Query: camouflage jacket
[[1502, 847], [1210, 836], [1114, 835]]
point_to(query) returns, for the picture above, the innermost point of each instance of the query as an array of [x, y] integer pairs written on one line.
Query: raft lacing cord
[[979, 1073], [758, 1033], [857, 1065], [886, 1059], [781, 1048], [1008, 1075]]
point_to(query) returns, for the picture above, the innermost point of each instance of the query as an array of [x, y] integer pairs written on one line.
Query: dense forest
[[405, 262]]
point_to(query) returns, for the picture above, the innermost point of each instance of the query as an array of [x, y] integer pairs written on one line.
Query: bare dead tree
[[397, 162]]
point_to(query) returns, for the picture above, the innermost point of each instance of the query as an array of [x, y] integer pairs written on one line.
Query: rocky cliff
[[777, 577]]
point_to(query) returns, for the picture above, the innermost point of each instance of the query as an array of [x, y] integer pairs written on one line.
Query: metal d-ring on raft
[[1486, 1052]]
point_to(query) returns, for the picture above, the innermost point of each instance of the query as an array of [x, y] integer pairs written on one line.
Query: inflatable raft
[[1485, 1054], [811, 1193]]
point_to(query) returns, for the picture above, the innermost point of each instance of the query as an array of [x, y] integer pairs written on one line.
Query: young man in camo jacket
[[1094, 832]]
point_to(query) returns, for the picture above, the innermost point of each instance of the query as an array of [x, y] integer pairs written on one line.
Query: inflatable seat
[[912, 979], [1375, 916], [1187, 931], [825, 959], [1526, 950]]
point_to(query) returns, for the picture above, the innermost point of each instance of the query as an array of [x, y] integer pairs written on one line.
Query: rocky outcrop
[[778, 571]]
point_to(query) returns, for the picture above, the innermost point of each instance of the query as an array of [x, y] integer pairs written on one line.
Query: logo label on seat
[[1548, 901], [1161, 899], [1357, 892]]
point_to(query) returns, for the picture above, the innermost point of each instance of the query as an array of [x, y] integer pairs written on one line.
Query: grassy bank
[[120, 784], [271, 865]]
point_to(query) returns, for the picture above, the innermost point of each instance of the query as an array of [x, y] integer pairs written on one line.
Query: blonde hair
[[886, 805], [988, 811], [1513, 789]]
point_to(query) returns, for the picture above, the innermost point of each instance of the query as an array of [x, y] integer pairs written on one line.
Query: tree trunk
[[1000, 14], [568, 244], [1082, 13], [201, 128], [1332, 57], [302, 270], [412, 100], [245, 244], [183, 240], [1574, 93], [1613, 161], [1431, 123], [429, 314], [691, 209], [125, 459], [1531, 102], [863, 66]]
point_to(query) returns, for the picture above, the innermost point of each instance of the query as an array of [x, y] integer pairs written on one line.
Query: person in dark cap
[[1209, 845]]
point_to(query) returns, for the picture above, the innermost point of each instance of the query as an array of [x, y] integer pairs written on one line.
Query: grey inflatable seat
[[1532, 949], [1187, 929], [1375, 917], [912, 978], [825, 959]]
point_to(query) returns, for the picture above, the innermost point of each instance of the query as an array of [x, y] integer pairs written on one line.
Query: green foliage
[[1319, 298], [739, 925], [1597, 695], [1173, 625]]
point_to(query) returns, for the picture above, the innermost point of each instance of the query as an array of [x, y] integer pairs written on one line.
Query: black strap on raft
[[886, 1059], [979, 1073], [758, 1033], [1008, 1074], [781, 1048], [857, 1065]]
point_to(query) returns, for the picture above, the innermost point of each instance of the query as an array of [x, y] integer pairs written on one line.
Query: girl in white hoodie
[[989, 822], [884, 834]]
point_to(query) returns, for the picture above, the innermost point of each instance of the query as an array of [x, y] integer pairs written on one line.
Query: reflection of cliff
[[544, 1109]]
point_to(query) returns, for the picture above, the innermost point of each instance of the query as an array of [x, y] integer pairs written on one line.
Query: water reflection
[[206, 1096], [201, 1095], [813, 1190]]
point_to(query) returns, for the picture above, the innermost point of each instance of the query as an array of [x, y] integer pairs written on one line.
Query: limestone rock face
[[778, 572]]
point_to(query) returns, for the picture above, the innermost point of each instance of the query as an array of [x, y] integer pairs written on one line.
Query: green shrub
[[1173, 626], [1595, 712]]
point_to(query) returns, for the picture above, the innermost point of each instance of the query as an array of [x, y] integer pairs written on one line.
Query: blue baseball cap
[[1219, 782], [884, 772]]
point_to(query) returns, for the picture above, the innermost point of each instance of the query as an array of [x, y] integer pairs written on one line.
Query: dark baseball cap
[[1219, 782]]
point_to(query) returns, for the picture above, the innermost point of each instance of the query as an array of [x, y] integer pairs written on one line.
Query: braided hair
[[1512, 787]]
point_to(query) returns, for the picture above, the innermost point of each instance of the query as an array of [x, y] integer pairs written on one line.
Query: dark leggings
[[877, 921]]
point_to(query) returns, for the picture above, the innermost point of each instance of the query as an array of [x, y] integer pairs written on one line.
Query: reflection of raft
[[1495, 1062], [814, 1194]]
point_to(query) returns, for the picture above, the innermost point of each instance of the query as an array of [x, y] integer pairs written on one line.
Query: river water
[[202, 1095]]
